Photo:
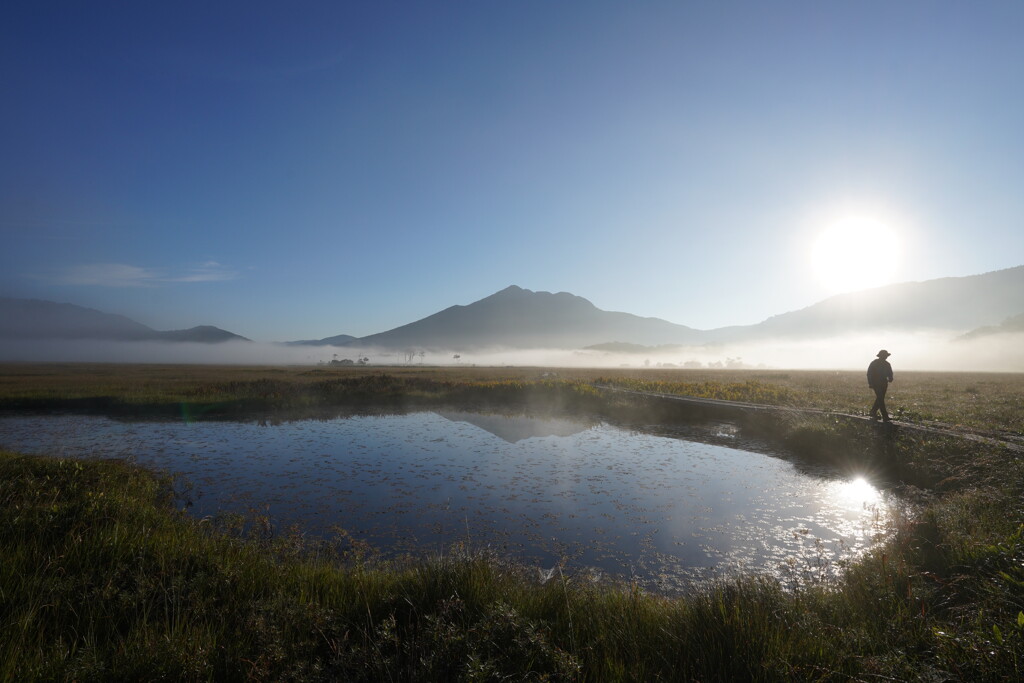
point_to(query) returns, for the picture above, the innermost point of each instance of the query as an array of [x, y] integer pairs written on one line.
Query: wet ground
[[654, 506]]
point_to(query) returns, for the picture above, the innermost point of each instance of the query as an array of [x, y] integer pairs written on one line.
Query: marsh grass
[[201, 392], [988, 402]]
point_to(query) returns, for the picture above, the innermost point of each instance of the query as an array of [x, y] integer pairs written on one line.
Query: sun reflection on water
[[856, 494]]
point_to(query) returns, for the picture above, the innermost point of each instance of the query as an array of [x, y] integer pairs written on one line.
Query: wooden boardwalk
[[1012, 443]]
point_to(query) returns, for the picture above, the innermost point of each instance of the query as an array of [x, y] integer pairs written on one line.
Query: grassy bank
[[979, 401], [103, 579]]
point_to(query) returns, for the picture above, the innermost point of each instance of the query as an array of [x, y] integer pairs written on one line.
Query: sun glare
[[856, 493], [855, 252]]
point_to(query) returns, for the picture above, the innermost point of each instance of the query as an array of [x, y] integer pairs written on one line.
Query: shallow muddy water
[[602, 500]]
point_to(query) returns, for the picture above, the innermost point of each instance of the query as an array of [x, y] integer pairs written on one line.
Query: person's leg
[[881, 403]]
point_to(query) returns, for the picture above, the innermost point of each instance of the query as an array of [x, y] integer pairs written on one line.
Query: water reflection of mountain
[[516, 428]]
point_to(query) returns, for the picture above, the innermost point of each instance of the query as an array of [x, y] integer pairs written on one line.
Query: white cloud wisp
[[124, 275]]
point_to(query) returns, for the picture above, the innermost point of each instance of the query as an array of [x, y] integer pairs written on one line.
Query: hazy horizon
[[939, 351]]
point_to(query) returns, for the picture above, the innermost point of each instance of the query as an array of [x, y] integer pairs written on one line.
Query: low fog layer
[[940, 351]]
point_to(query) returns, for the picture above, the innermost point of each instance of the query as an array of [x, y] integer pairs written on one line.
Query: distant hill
[[337, 340], [952, 303], [37, 319], [207, 334], [1011, 325], [522, 319]]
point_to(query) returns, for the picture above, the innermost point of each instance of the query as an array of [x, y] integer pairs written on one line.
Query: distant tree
[[410, 355], [647, 363], [457, 357], [422, 354]]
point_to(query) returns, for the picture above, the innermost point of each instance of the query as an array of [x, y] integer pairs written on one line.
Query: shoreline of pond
[[221, 439]]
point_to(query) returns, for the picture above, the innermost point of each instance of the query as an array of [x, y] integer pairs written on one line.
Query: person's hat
[[884, 354]]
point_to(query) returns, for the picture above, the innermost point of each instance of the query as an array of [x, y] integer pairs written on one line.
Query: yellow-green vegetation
[[747, 391], [224, 390], [103, 579], [988, 402]]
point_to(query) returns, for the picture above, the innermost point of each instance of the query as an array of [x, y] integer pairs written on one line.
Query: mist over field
[[932, 351]]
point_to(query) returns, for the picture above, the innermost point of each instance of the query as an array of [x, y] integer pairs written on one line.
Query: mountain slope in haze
[[206, 334], [517, 318], [522, 319], [336, 340], [1013, 325], [38, 319], [952, 303]]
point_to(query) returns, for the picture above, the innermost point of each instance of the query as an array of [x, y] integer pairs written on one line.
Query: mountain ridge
[[518, 318], [30, 319], [948, 303], [1012, 325], [951, 303], [521, 318]]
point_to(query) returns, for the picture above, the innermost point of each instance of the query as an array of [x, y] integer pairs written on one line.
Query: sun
[[855, 252]]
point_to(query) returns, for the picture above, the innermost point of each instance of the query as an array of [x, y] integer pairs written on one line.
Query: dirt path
[[1013, 443]]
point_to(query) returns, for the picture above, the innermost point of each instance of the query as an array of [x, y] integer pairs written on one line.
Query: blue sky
[[299, 170]]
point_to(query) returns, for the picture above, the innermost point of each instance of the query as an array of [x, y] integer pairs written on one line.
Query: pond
[[600, 500]]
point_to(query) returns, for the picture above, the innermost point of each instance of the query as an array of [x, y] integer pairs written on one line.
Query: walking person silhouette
[[879, 376]]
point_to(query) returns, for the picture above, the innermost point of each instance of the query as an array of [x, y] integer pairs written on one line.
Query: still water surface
[[602, 500]]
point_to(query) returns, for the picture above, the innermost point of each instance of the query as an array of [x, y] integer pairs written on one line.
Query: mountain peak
[[521, 318], [508, 292], [515, 291]]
